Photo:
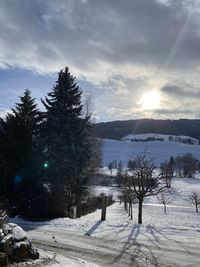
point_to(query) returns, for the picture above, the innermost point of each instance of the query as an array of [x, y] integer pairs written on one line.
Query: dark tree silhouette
[[66, 138]]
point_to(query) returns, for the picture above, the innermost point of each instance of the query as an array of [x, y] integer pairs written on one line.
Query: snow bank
[[18, 233]]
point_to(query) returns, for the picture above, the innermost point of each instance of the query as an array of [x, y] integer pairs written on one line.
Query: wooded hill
[[118, 129]]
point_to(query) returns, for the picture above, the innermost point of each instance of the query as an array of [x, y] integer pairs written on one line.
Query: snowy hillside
[[158, 151], [161, 138]]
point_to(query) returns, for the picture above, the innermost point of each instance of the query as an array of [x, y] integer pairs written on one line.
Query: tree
[[195, 199], [144, 182], [95, 143], [186, 165], [110, 167], [179, 166], [172, 166], [189, 165], [128, 194], [131, 164], [66, 139], [167, 171], [119, 174], [164, 199], [20, 153]]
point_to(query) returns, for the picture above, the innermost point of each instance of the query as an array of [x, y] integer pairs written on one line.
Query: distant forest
[[118, 129]]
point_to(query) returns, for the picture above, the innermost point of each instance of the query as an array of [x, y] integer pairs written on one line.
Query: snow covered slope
[[161, 137], [158, 151]]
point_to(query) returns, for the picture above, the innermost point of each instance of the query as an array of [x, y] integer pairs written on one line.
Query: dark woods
[[45, 156]]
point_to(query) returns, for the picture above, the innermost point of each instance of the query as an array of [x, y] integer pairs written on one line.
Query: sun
[[150, 101]]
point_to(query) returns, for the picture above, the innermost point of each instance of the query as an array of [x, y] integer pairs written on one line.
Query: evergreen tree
[[20, 153], [65, 133]]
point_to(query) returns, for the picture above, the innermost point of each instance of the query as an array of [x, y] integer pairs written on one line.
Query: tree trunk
[[131, 210], [104, 206], [125, 205], [140, 211], [197, 208], [165, 208]]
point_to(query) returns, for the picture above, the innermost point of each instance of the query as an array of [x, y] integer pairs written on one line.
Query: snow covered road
[[131, 253], [89, 249], [167, 248]]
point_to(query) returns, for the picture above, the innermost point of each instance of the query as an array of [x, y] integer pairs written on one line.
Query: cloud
[[184, 91], [174, 111], [121, 49], [44, 36]]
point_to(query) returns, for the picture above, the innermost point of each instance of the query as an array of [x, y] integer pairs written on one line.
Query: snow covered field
[[163, 137], [158, 151], [172, 239]]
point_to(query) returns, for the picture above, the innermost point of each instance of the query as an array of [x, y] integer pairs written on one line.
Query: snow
[[106, 190], [61, 261], [173, 238], [165, 137], [181, 211], [48, 258], [157, 151], [18, 233]]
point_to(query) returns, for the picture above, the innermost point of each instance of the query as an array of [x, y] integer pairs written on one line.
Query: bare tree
[[195, 199], [164, 199], [95, 143], [88, 106], [186, 165], [129, 196], [189, 165], [167, 171], [110, 167], [119, 176], [144, 182], [179, 166]]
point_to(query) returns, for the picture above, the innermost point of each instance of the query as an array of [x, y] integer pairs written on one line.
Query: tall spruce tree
[[66, 134], [20, 153]]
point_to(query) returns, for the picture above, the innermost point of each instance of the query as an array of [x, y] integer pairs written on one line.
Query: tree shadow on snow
[[93, 228], [134, 251]]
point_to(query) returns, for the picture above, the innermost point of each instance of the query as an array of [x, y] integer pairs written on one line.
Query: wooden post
[[104, 205], [73, 212]]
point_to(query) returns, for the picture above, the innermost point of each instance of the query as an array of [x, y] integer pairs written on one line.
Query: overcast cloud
[[118, 49]]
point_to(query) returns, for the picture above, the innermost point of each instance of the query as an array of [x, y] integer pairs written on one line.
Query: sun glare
[[150, 101]]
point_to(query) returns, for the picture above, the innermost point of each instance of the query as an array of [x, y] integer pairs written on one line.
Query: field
[[157, 151], [171, 239]]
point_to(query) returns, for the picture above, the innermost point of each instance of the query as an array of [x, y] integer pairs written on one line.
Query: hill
[[119, 129], [161, 138], [156, 150]]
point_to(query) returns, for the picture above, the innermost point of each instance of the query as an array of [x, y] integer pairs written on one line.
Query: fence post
[[73, 212], [104, 205]]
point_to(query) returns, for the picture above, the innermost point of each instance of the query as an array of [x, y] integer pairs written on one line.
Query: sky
[[136, 58]]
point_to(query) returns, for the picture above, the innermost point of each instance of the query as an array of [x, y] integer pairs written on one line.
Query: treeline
[[118, 129], [180, 166], [46, 156]]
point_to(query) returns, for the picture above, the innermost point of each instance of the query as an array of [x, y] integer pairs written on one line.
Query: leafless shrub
[[164, 199], [195, 199]]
